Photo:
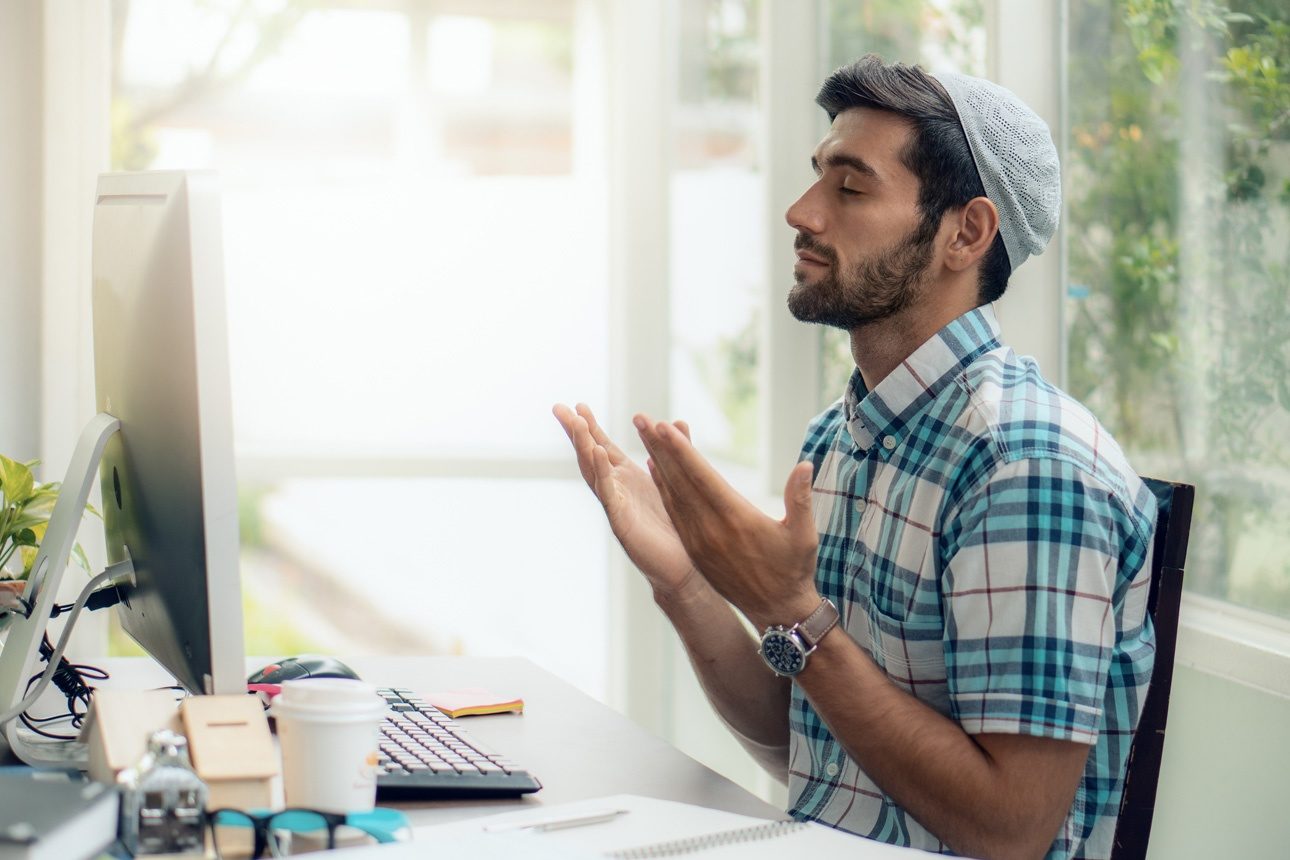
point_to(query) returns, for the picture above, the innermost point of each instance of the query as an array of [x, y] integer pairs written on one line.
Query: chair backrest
[[1173, 524]]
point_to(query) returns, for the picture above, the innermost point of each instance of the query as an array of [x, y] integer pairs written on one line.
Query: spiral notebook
[[630, 827]]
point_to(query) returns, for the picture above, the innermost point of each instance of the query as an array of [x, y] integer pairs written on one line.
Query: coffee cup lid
[[318, 698]]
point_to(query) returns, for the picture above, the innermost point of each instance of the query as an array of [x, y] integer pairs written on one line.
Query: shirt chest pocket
[[893, 568]]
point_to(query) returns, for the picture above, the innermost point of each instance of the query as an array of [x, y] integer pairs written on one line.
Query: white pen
[[591, 816]]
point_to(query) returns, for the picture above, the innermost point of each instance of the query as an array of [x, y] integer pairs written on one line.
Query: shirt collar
[[882, 414]]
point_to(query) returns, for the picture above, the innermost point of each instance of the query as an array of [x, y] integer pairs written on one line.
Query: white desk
[[577, 747]]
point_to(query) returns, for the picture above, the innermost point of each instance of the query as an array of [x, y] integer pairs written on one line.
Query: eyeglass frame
[[380, 823]]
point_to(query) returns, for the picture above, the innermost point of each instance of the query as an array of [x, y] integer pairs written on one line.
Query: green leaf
[[25, 519], [29, 554], [1167, 342], [16, 481], [41, 503], [81, 558], [26, 537]]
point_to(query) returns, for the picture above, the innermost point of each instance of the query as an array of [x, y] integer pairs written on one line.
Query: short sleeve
[[1029, 592]]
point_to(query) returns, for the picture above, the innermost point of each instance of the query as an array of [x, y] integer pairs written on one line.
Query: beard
[[873, 289]]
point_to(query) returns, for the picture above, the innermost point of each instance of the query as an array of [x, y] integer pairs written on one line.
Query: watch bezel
[[794, 639]]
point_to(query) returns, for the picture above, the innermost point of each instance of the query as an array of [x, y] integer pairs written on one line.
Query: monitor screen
[[169, 493]]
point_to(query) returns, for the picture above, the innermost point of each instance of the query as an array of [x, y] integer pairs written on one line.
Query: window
[[1177, 321], [413, 277], [717, 213]]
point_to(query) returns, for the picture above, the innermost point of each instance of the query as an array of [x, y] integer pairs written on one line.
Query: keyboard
[[424, 753]]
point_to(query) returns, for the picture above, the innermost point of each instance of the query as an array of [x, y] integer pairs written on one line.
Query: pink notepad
[[473, 701]]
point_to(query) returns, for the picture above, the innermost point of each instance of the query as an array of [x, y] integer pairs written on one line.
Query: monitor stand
[[19, 656]]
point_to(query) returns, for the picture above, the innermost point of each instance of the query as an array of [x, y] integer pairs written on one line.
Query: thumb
[[797, 497]]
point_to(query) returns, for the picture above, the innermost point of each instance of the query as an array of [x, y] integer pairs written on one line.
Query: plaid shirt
[[989, 546]]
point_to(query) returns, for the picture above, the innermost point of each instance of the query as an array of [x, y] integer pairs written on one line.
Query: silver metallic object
[[163, 801]]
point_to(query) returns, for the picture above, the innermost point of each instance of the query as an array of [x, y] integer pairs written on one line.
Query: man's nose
[[805, 214]]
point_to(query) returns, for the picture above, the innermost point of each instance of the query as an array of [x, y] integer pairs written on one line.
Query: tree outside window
[[1178, 324]]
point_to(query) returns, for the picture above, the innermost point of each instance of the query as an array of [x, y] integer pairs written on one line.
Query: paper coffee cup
[[327, 728]]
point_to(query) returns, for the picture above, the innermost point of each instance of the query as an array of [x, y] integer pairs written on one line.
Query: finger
[[616, 455], [680, 518], [683, 427], [662, 463], [692, 512], [687, 470], [660, 469], [603, 484], [565, 416], [585, 447], [798, 514], [570, 423]]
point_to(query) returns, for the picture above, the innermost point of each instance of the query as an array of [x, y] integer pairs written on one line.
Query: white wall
[[1225, 772], [20, 224]]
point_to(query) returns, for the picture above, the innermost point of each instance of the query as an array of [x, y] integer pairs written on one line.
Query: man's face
[[862, 250]]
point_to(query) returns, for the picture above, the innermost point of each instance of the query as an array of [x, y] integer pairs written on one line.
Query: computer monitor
[[169, 492], [162, 445]]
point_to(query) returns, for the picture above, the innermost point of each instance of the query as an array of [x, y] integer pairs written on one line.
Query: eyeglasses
[[270, 829]]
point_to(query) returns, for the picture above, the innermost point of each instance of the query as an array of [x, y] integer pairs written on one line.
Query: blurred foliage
[[930, 32], [730, 373], [1179, 208], [267, 630], [250, 517], [719, 51], [249, 32]]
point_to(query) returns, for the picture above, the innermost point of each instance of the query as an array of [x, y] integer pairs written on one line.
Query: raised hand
[[765, 567], [631, 501]]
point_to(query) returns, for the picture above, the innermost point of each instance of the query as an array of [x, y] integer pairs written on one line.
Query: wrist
[[690, 590], [788, 612]]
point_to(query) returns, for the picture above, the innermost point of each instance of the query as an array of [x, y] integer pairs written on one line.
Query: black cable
[[70, 679], [104, 598]]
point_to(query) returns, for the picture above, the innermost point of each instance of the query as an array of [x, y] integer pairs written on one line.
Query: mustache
[[811, 245]]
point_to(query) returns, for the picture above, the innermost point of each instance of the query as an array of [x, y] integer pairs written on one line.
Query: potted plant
[[24, 517]]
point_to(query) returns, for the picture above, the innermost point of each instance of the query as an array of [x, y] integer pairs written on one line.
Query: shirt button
[[889, 442], [861, 504], [831, 768]]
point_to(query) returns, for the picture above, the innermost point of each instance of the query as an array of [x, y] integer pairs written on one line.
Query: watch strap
[[813, 628]]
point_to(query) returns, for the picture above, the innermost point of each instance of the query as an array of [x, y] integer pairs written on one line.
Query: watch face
[[782, 652]]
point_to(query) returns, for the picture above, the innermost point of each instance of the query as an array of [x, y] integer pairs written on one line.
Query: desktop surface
[[578, 747]]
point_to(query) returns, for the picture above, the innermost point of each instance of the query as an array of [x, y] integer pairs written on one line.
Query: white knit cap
[[1016, 158]]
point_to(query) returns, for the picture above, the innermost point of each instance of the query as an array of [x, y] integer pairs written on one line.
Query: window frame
[[633, 43]]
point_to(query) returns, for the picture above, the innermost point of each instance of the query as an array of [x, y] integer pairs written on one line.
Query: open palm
[[630, 499]]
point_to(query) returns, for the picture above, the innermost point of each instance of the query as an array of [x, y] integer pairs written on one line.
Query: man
[[955, 600]]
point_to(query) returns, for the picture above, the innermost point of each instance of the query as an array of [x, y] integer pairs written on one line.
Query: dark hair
[[938, 152]]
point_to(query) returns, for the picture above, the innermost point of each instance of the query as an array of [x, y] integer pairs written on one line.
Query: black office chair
[[1173, 524]]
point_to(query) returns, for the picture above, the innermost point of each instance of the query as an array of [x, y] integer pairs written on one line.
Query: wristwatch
[[785, 649]]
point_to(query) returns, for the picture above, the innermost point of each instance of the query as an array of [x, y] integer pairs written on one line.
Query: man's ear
[[973, 230]]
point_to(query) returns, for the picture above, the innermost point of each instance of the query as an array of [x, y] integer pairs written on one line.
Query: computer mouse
[[304, 666]]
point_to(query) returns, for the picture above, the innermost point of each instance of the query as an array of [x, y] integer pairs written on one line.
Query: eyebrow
[[841, 159]]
